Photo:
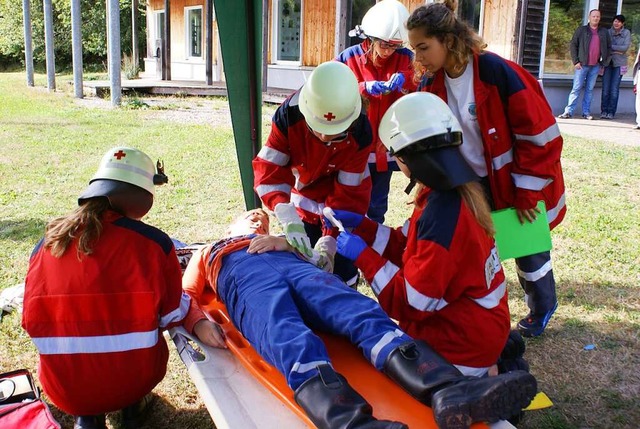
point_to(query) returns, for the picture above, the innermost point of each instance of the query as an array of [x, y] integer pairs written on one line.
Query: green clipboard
[[515, 240]]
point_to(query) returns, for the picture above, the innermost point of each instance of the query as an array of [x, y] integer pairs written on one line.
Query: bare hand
[[528, 214], [210, 333], [578, 66], [269, 243]]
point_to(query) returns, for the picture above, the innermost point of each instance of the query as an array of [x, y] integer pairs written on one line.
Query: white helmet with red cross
[[330, 99], [123, 166], [385, 21]]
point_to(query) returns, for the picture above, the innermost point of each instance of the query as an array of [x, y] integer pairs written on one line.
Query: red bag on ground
[[20, 403]]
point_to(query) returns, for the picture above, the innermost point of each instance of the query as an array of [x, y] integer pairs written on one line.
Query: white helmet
[[386, 21], [421, 129], [124, 165], [330, 99]]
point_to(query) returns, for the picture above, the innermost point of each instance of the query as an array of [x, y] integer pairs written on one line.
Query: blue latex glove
[[348, 219], [395, 82], [375, 87], [350, 245]]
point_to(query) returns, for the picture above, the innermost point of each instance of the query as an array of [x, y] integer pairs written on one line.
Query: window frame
[[187, 32], [275, 57]]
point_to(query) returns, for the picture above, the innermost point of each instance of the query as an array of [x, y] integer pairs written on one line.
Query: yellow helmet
[[330, 99]]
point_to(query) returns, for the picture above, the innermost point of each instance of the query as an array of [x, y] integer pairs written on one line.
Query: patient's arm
[[269, 243]]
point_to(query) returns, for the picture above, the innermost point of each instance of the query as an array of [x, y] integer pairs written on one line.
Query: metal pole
[[255, 110], [76, 38], [166, 49], [114, 52], [48, 43], [28, 41]]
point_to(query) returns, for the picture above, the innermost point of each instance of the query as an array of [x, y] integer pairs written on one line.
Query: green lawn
[[50, 145]]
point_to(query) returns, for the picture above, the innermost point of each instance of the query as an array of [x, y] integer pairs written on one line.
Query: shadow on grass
[[161, 415], [22, 229]]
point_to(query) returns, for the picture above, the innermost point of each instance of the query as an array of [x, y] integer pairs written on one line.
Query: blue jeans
[[380, 184], [610, 90], [277, 300], [583, 78]]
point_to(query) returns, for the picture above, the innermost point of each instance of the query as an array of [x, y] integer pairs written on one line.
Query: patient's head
[[250, 222]]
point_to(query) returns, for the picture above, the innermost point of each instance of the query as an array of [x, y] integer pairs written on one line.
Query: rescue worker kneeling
[[276, 299], [101, 287], [439, 275]]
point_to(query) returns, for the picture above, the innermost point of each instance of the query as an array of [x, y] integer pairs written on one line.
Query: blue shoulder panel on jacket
[[495, 71], [362, 132], [288, 113], [37, 248], [148, 231], [440, 217], [351, 52]]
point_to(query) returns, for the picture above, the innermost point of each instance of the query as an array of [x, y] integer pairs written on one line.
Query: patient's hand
[[210, 333], [269, 243]]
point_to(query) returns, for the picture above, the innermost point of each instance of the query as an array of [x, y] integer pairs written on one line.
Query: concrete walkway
[[620, 130]]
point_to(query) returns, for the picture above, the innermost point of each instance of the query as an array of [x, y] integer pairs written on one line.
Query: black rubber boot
[[134, 415], [486, 399], [419, 370], [90, 422], [457, 401], [512, 356], [331, 403]]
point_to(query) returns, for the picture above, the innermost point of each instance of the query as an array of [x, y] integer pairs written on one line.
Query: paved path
[[620, 130]]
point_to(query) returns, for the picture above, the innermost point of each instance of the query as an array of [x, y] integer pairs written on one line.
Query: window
[[287, 18], [193, 16], [159, 25], [565, 17], [470, 12], [357, 10]]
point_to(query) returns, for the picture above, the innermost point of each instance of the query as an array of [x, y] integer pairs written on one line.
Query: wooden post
[[135, 56], [166, 48], [341, 27], [208, 56]]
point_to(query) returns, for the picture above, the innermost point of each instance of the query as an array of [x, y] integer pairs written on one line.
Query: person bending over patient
[[277, 300]]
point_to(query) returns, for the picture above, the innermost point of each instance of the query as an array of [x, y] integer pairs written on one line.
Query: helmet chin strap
[[410, 186]]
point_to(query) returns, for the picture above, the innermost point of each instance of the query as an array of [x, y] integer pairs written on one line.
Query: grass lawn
[[51, 144]]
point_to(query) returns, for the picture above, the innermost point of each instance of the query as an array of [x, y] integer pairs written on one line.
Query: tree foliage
[[94, 33]]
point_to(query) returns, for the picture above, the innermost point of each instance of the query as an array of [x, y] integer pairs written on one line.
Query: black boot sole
[[486, 399]]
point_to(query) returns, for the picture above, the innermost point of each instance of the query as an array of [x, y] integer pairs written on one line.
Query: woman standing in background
[[384, 71]]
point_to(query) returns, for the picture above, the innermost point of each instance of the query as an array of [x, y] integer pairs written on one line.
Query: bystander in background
[[590, 49], [615, 68]]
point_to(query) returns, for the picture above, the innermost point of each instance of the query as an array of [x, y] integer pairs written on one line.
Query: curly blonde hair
[[439, 21]]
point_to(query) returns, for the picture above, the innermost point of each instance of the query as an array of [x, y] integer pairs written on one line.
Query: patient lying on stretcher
[[277, 301]]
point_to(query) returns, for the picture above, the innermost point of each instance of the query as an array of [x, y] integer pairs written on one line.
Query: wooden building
[[300, 34]]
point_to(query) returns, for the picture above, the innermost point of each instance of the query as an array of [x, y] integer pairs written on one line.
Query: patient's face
[[250, 222]]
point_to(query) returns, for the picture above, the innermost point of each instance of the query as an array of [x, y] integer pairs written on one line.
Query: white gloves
[[323, 253]]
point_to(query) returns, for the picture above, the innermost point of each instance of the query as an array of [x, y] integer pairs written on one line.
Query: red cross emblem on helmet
[[330, 116]]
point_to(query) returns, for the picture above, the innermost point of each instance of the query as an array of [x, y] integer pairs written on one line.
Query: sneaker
[[533, 325], [637, 127], [604, 115], [610, 116], [587, 117], [565, 115]]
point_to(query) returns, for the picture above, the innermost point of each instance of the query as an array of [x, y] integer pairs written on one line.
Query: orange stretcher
[[241, 390]]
